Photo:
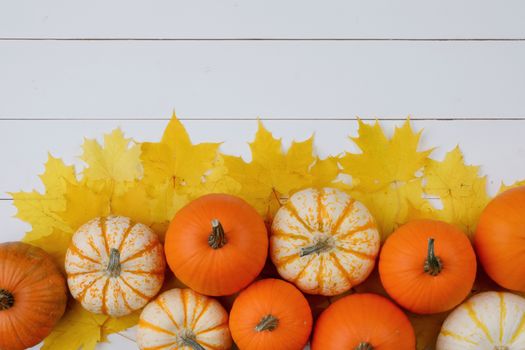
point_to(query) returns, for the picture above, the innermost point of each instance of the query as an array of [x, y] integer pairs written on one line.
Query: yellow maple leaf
[[118, 161], [84, 204], [176, 160], [77, 329], [504, 187], [273, 175], [55, 244], [462, 191], [385, 174], [116, 325]]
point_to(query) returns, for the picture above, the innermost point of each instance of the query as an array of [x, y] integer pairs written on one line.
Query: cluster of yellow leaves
[[151, 181]]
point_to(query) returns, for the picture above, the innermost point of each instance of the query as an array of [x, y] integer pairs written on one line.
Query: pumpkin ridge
[[121, 292], [339, 266], [135, 290], [159, 347], [303, 270], [164, 308], [204, 307], [356, 253], [319, 276], [103, 229], [287, 259], [519, 329], [280, 233], [345, 235], [293, 211], [144, 272], [141, 252], [448, 333], [94, 247], [212, 347], [76, 274], [502, 315], [211, 329], [146, 324], [104, 296], [84, 290], [184, 308], [131, 226], [81, 254], [347, 210], [474, 317], [320, 210]]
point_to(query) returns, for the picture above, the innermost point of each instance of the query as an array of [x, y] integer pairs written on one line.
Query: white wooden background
[[74, 69]]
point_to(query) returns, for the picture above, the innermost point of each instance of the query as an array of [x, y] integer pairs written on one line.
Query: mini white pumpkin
[[114, 266], [184, 319], [486, 321], [324, 241]]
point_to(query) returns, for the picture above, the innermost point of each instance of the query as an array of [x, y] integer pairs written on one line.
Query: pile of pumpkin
[[321, 242]]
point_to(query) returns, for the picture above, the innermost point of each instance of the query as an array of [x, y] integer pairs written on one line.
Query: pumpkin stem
[[189, 340], [501, 347], [217, 239], [113, 269], [267, 323], [364, 346], [320, 246], [433, 265], [7, 300]]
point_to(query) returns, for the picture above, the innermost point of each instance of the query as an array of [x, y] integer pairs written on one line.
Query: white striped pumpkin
[[487, 321], [324, 241], [114, 266], [184, 319]]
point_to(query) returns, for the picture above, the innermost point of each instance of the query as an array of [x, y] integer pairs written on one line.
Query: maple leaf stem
[[364, 346], [113, 268], [7, 300], [217, 238], [267, 323], [433, 265]]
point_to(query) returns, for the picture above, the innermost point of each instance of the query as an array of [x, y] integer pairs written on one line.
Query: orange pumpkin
[[427, 266], [217, 244], [271, 314], [33, 295], [500, 237], [363, 322]]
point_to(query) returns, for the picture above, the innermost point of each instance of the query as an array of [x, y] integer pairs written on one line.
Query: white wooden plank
[[498, 146], [268, 79], [262, 19]]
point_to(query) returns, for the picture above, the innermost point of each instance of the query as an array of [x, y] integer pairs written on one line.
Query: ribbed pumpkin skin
[[326, 215], [363, 318], [40, 295], [273, 297], [500, 239], [180, 313], [224, 270], [487, 321], [401, 266], [141, 260]]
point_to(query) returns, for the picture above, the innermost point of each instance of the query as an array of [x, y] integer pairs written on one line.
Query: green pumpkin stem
[[113, 268], [267, 323], [433, 265], [7, 300], [364, 346], [192, 343], [217, 238], [320, 246]]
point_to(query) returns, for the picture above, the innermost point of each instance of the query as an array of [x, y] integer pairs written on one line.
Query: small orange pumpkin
[[427, 266], [217, 244], [271, 314], [500, 238], [363, 322], [33, 295]]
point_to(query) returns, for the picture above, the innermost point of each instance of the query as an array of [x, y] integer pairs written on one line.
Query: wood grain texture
[[262, 19], [268, 79]]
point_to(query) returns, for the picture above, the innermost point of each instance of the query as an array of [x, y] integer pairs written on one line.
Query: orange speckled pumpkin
[[33, 295], [324, 241], [217, 244], [500, 239], [114, 266], [363, 322], [271, 314], [427, 266]]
